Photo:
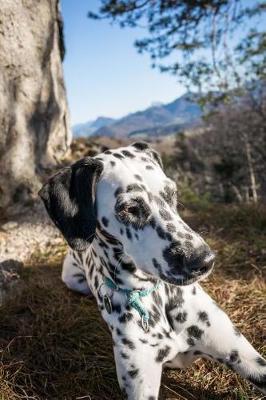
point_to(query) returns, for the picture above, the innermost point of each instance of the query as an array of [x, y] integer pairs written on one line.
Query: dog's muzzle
[[200, 266]]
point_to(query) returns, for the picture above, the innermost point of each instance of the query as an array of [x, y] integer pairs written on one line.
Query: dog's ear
[[143, 146], [69, 198]]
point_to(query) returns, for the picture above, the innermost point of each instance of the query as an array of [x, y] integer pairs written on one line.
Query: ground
[[54, 344]]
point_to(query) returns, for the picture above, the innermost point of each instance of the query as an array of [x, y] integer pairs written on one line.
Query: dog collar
[[133, 300]]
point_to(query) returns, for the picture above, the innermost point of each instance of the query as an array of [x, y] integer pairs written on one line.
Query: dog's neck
[[120, 268], [112, 262]]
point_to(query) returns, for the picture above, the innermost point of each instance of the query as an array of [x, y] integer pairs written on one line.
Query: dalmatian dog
[[142, 262]]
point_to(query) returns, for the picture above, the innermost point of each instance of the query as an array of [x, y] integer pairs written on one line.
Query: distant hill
[[157, 120], [162, 119], [90, 127]]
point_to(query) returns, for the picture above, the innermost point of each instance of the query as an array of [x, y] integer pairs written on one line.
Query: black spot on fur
[[152, 223], [194, 331], [169, 195], [80, 277], [117, 253], [194, 291], [160, 232], [128, 343], [149, 167], [181, 317], [112, 163], [144, 341], [105, 221], [156, 157], [130, 267], [116, 308], [180, 235], [133, 373], [129, 235], [190, 342], [124, 355], [138, 177], [117, 155], [174, 256], [169, 237], [162, 354], [165, 215], [155, 316], [170, 227], [126, 317], [203, 317], [234, 357], [118, 191], [140, 145], [96, 282], [134, 187], [157, 265], [128, 154], [175, 297]]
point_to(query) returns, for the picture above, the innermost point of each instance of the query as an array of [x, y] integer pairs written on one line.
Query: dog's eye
[[136, 212]]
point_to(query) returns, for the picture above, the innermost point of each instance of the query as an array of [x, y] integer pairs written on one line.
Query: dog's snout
[[201, 264], [207, 262]]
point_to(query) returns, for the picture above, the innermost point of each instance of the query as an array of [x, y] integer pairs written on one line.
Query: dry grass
[[54, 344]]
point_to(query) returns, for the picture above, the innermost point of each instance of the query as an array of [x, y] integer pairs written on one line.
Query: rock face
[[34, 126]]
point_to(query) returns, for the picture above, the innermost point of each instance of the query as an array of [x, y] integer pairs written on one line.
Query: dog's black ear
[[143, 146], [69, 198]]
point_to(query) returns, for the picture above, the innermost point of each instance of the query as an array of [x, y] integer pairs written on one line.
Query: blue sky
[[104, 74]]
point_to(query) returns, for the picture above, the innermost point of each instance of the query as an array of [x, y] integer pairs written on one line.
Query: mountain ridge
[[89, 127], [159, 119]]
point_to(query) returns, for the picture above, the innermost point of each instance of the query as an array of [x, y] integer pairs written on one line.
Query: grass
[[54, 344]]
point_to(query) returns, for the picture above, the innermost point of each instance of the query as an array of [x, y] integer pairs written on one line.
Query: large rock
[[34, 126]]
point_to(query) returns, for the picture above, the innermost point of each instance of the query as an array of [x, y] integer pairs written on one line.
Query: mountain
[[90, 127], [160, 119]]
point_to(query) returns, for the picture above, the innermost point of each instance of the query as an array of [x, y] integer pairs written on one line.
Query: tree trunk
[[34, 126], [253, 184]]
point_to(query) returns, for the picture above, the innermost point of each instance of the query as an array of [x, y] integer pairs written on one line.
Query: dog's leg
[[214, 336], [139, 375], [73, 274]]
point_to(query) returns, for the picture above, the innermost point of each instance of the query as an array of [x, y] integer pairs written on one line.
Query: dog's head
[[127, 193]]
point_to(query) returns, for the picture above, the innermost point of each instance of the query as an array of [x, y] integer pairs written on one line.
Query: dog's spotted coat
[[118, 212]]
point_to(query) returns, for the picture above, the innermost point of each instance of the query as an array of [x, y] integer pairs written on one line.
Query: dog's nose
[[201, 264], [207, 262]]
